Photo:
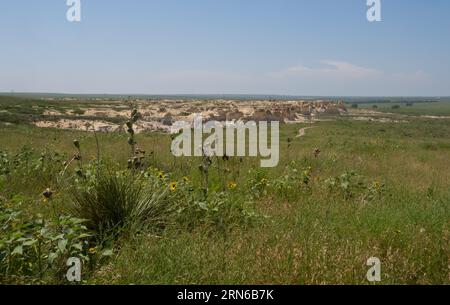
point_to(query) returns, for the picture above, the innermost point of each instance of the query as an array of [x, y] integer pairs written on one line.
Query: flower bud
[[47, 193]]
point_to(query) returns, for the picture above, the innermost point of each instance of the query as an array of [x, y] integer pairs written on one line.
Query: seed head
[[47, 193]]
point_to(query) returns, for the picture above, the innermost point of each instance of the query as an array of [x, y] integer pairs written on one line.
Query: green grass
[[417, 109], [23, 110], [285, 232]]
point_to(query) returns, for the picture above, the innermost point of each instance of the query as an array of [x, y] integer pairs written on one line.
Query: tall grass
[[118, 202], [322, 223]]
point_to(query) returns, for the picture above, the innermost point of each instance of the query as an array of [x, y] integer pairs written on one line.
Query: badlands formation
[[160, 115]]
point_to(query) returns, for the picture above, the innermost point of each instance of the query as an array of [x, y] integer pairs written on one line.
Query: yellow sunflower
[[173, 186], [232, 185]]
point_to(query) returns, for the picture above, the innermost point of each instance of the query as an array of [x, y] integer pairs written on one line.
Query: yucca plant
[[119, 202], [108, 205]]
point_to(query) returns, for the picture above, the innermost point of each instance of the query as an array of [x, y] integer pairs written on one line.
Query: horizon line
[[12, 93]]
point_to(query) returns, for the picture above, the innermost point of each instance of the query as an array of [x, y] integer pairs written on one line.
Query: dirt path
[[302, 132]]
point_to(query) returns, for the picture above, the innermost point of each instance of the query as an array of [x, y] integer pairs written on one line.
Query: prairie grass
[[376, 189]]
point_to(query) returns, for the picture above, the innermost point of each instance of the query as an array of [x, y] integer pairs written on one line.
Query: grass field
[[375, 190], [415, 109]]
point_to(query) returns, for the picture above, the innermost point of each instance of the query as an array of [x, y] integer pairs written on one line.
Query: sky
[[288, 47]]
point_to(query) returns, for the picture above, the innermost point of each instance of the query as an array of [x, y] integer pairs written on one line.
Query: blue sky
[[310, 47]]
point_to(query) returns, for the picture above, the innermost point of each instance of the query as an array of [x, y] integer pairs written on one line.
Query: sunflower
[[161, 175], [173, 186], [232, 185], [92, 250], [264, 181]]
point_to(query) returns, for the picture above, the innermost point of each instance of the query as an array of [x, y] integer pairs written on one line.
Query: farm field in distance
[[353, 182]]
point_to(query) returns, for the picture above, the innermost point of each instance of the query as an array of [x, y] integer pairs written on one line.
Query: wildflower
[[377, 184], [92, 250], [173, 186], [47, 193], [264, 181], [161, 175], [316, 152], [186, 179], [232, 185]]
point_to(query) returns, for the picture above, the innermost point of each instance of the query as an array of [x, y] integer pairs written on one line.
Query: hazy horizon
[[228, 95]]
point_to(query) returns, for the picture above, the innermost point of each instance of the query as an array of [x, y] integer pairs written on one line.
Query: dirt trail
[[302, 132]]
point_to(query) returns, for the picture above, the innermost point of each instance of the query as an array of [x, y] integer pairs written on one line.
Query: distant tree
[[375, 106], [396, 107], [409, 104], [355, 106]]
